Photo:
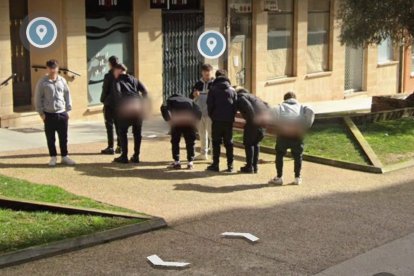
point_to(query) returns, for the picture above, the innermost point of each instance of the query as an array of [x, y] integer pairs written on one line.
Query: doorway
[[240, 43], [354, 69], [181, 59], [22, 91], [109, 26]]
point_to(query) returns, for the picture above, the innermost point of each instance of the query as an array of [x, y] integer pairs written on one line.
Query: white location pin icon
[[41, 31], [212, 43]]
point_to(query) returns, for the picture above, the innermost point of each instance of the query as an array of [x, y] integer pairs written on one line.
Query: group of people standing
[[209, 111]]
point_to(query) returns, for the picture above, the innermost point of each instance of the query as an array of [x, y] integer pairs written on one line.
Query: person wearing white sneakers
[[53, 102], [291, 121]]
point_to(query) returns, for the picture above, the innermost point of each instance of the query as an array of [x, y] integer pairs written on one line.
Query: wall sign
[[271, 5], [212, 44], [41, 32]]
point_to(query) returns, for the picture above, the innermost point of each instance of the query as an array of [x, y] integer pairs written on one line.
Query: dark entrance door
[[182, 61], [22, 92], [109, 33]]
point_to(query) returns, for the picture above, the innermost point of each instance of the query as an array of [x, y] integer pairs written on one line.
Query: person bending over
[[53, 102], [291, 120], [130, 95], [183, 115], [221, 105], [252, 109]]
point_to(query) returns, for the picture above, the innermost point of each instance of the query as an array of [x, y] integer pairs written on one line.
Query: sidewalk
[[335, 216], [356, 104]]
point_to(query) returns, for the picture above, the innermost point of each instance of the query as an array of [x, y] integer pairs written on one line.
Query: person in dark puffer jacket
[[183, 114], [129, 96], [251, 109], [221, 105]]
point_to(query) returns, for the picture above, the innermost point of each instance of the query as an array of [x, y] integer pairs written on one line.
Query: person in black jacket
[[107, 99], [129, 96], [252, 109], [221, 105], [183, 115]]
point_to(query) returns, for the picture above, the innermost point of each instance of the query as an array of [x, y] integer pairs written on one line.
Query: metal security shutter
[[181, 59]]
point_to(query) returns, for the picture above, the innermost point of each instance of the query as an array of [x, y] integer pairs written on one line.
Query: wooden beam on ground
[[372, 156]]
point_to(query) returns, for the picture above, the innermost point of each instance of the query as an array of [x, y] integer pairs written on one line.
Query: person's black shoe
[[230, 169], [247, 169], [118, 150], [174, 166], [121, 160], [213, 168], [134, 159], [255, 170], [108, 151]]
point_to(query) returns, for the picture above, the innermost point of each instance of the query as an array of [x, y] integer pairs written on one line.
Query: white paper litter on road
[[246, 236], [158, 262]]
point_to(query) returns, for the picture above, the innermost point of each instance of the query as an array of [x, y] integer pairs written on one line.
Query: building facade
[[273, 47]]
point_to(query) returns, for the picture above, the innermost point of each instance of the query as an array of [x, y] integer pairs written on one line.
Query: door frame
[[363, 73]]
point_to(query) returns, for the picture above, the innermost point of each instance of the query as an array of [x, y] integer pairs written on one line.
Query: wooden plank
[[67, 245], [372, 156], [28, 205], [399, 166]]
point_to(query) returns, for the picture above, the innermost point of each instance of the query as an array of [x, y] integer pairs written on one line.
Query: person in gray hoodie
[[291, 120], [53, 102], [199, 95]]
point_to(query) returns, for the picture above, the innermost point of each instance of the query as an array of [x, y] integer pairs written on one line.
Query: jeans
[[110, 123], [57, 122], [123, 126], [222, 132], [282, 145], [204, 131], [189, 134], [252, 136]]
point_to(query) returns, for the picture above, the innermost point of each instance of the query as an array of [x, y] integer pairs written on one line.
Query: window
[[319, 22], [280, 41], [385, 51]]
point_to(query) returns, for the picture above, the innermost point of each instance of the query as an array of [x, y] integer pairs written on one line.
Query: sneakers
[[67, 161], [298, 181], [118, 150], [134, 159], [277, 181], [213, 168], [246, 169], [175, 166], [121, 160], [53, 161], [202, 157], [108, 151], [190, 166], [230, 169]]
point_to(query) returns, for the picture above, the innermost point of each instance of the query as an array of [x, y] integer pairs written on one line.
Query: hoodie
[[222, 101], [203, 87], [127, 86], [183, 107], [250, 106]]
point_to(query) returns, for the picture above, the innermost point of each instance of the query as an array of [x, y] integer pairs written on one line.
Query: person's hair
[[221, 73], [121, 67], [206, 67], [52, 63], [113, 60], [240, 89], [289, 95]]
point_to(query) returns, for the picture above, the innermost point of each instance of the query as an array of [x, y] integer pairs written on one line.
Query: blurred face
[[117, 73], [207, 75], [53, 71]]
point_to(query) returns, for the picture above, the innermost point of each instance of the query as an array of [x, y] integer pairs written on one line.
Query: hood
[[222, 82], [291, 102], [125, 77]]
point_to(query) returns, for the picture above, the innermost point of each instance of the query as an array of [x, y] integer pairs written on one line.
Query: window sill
[[388, 63], [318, 75], [280, 81]]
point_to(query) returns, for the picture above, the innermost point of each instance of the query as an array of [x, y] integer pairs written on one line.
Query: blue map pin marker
[[41, 32], [211, 44]]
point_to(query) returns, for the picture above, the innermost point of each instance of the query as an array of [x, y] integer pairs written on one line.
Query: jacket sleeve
[[308, 116], [192, 91], [234, 102], [39, 94], [165, 113], [106, 87], [210, 103], [246, 109], [67, 96], [197, 111], [141, 88]]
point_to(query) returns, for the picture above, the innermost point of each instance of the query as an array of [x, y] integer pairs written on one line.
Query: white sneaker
[[298, 181], [201, 157], [67, 161], [53, 161], [276, 181]]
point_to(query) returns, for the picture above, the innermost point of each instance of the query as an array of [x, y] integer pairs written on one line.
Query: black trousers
[[110, 124], [123, 126], [252, 137], [296, 146], [222, 132], [189, 134], [57, 122]]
